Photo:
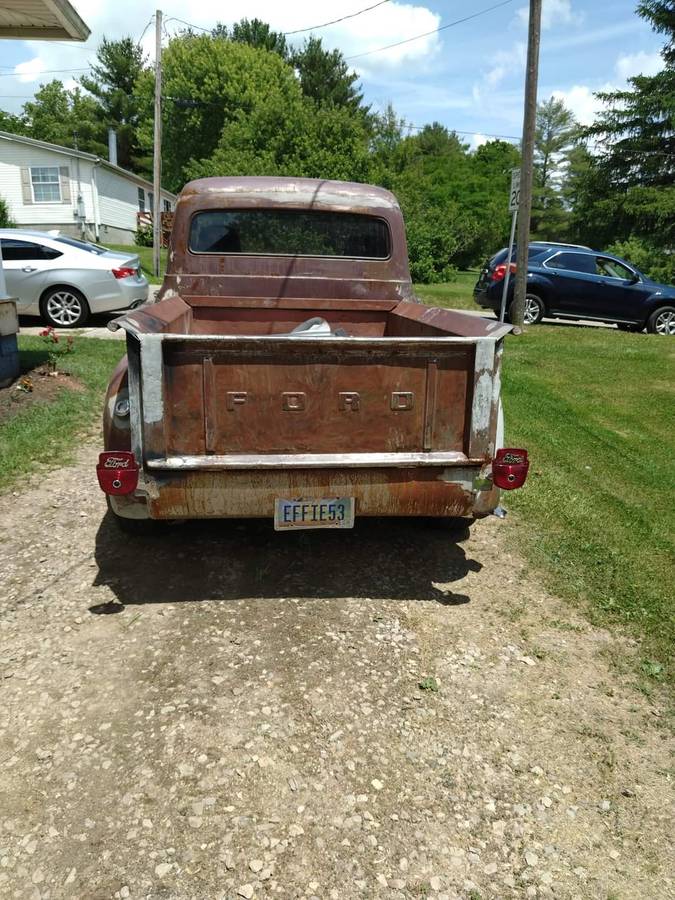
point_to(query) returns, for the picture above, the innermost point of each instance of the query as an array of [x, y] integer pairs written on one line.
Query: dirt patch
[[35, 386], [390, 713]]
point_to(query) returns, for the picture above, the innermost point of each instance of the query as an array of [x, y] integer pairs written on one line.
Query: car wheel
[[64, 307], [662, 321], [534, 310]]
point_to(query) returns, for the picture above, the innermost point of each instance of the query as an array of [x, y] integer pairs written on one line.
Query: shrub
[[143, 237], [655, 263], [6, 221]]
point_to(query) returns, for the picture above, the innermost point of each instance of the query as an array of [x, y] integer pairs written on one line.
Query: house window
[[167, 206], [151, 198], [141, 200], [46, 184]]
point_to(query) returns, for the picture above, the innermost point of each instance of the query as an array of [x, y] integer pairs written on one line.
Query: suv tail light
[[124, 272], [499, 271], [117, 472], [509, 468]]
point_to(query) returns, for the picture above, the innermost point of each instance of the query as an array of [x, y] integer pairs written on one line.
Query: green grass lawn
[[596, 409], [145, 255], [456, 294], [48, 433]]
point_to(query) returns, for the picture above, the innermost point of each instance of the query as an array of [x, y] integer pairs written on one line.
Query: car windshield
[[82, 245], [290, 232]]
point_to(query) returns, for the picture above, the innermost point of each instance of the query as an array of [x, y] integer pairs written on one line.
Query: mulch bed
[[37, 385]]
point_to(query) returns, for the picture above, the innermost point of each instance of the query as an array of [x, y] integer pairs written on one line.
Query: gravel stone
[[225, 698]]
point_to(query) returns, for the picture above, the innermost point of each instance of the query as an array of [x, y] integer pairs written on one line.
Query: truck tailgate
[[227, 396]]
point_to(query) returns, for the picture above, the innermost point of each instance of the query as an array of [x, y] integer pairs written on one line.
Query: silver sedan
[[64, 280]]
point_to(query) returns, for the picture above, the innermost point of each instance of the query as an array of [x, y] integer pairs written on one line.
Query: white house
[[51, 187]]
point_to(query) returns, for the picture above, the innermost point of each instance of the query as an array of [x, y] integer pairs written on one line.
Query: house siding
[[14, 157], [117, 194]]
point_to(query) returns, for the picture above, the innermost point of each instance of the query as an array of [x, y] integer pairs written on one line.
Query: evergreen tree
[[635, 141], [325, 76], [112, 83], [555, 136]]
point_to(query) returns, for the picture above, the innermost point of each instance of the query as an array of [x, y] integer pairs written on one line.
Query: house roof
[[80, 154], [54, 20]]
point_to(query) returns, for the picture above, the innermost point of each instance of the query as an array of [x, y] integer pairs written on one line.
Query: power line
[[150, 21], [39, 74], [189, 24], [353, 15], [335, 21], [409, 40]]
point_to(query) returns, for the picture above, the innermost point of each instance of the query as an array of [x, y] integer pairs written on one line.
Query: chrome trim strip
[[311, 461]]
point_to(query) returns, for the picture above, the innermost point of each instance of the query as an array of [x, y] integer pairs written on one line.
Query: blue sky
[[469, 77]]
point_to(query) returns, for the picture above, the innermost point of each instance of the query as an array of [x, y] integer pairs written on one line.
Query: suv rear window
[[503, 254], [290, 232]]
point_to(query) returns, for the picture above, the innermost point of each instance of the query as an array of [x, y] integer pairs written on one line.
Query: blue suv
[[567, 281]]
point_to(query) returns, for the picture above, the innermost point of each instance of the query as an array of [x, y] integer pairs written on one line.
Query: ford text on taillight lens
[[499, 272], [117, 472], [509, 468], [124, 272]]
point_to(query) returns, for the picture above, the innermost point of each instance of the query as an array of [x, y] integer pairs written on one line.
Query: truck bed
[[222, 384]]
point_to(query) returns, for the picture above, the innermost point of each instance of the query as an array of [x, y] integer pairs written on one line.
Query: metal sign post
[[514, 201]]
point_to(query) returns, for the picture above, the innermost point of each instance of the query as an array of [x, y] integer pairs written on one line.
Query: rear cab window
[[292, 232]]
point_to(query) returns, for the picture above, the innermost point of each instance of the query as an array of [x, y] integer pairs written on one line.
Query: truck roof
[[303, 192]]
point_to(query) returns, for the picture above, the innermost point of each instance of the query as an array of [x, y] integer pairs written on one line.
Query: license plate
[[329, 512]]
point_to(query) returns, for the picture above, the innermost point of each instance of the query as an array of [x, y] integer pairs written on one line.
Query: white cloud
[[506, 62], [638, 64], [581, 100], [553, 12], [388, 24], [29, 70]]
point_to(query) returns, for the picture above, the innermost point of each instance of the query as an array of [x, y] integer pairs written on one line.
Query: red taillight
[[499, 271], [117, 472], [124, 272], [509, 468]]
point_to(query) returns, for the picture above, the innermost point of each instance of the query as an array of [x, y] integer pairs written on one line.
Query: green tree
[[326, 77], [112, 82], [255, 33], [13, 124], [67, 118], [387, 132], [209, 82], [555, 136], [288, 134]]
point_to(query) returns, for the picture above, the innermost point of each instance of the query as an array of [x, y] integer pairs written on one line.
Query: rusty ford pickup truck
[[287, 371]]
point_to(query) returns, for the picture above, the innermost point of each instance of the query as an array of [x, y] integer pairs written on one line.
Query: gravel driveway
[[226, 712]]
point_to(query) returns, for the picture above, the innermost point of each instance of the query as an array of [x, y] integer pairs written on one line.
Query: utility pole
[[157, 160], [527, 164]]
